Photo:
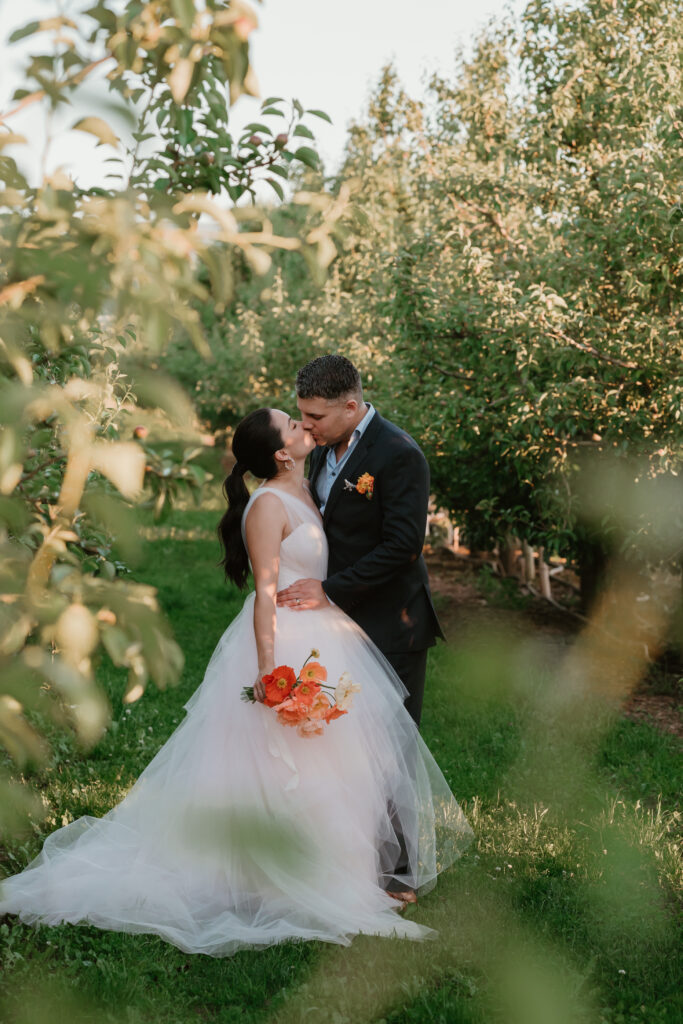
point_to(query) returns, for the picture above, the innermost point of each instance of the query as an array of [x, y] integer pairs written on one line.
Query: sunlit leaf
[[11, 139], [99, 128], [180, 78], [122, 462]]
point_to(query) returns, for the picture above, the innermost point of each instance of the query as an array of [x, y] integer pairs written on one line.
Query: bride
[[242, 832]]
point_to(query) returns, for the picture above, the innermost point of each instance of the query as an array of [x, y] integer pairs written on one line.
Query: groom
[[371, 483]]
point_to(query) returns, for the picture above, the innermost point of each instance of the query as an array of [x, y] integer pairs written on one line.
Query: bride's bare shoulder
[[268, 508]]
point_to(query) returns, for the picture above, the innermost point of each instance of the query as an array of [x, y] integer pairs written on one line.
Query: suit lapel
[[318, 456], [351, 465]]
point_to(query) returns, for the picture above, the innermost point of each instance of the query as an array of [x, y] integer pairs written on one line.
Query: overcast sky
[[326, 55]]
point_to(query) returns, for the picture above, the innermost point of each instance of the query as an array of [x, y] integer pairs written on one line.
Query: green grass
[[562, 910]]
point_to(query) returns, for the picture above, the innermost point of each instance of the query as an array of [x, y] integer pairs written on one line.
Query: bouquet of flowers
[[306, 701]]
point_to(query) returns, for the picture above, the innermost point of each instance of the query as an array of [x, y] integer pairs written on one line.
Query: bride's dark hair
[[254, 443]]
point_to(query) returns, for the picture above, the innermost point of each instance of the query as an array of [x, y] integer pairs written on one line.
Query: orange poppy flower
[[333, 713], [306, 692], [313, 672], [278, 685]]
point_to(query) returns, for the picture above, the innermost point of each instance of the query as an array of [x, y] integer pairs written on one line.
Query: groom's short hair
[[331, 377]]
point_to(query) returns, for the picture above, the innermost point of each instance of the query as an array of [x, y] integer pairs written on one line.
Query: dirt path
[[463, 604]]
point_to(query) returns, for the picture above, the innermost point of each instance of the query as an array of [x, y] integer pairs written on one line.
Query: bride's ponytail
[[254, 444], [234, 561]]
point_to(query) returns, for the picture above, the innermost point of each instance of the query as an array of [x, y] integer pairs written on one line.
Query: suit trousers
[[411, 668]]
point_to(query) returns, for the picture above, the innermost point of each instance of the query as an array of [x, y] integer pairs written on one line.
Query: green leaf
[[301, 129], [308, 156], [28, 30], [184, 10], [321, 114], [186, 133], [255, 126], [276, 187]]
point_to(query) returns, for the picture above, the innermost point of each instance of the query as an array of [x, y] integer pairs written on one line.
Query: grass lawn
[[564, 908]]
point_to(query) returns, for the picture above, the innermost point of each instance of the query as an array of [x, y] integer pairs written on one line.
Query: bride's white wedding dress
[[240, 832]]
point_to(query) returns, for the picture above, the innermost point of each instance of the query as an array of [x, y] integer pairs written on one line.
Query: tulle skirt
[[240, 832]]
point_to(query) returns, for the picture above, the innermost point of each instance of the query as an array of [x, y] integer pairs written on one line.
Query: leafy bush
[[92, 283]]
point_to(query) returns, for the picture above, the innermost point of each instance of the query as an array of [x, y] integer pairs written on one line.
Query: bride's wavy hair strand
[[254, 443]]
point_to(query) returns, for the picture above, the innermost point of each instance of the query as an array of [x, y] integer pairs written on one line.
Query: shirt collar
[[364, 423], [355, 436]]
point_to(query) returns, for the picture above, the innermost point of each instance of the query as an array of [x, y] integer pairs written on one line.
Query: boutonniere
[[364, 485]]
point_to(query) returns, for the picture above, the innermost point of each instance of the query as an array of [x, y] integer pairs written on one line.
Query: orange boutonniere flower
[[279, 685], [364, 485]]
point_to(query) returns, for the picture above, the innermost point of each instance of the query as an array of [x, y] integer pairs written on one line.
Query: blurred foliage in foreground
[[561, 912], [88, 277], [513, 285]]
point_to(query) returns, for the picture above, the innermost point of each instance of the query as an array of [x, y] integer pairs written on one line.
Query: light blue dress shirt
[[331, 468]]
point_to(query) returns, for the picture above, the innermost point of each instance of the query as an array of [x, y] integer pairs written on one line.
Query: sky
[[326, 55]]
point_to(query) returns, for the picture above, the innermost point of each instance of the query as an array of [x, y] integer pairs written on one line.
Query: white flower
[[344, 691]]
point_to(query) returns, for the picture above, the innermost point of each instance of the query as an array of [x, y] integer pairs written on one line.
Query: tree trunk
[[544, 575], [507, 552], [529, 563], [593, 558]]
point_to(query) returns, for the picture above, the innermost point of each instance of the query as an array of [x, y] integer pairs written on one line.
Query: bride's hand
[[259, 687]]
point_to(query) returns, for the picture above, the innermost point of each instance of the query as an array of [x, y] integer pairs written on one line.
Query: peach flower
[[320, 706], [313, 672], [311, 727], [292, 711]]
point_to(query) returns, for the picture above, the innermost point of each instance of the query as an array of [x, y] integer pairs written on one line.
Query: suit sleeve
[[404, 495]]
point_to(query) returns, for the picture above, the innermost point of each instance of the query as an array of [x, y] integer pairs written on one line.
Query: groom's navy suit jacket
[[376, 573]]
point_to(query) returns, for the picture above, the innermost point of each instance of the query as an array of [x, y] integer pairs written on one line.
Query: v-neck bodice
[[303, 552]]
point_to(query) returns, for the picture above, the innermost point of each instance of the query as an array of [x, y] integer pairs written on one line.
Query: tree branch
[[589, 350], [455, 373], [35, 97], [492, 216]]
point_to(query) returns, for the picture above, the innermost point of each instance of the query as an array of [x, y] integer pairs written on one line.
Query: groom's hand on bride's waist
[[303, 596]]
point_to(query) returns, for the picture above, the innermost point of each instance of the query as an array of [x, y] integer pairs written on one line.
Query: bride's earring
[[289, 464]]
